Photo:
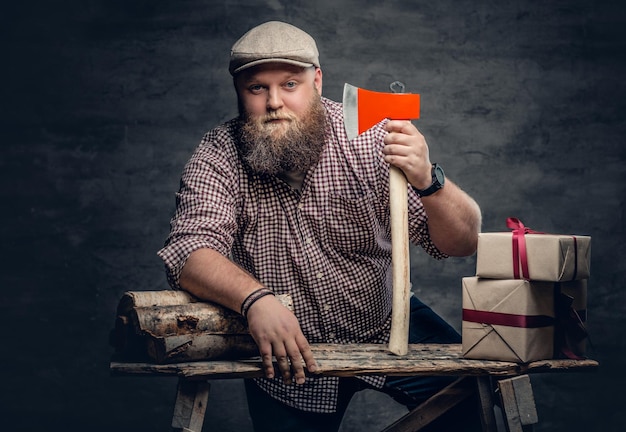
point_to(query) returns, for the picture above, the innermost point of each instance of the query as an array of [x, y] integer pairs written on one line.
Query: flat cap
[[271, 42]]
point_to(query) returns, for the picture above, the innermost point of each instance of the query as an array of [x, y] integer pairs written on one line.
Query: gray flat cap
[[271, 42]]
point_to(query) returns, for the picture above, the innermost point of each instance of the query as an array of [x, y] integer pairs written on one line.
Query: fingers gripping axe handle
[[362, 110]]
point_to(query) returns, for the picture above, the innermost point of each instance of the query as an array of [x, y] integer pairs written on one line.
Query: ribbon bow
[[520, 256]]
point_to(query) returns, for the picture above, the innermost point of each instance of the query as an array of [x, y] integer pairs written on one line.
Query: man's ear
[[317, 82]]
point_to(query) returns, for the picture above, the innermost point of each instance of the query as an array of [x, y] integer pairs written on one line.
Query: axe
[[362, 109]]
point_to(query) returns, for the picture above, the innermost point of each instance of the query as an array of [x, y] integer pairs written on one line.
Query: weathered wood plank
[[191, 402], [435, 406], [360, 359], [518, 401], [509, 407], [524, 396], [485, 389]]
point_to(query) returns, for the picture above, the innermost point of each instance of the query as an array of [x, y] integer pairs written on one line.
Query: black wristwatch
[[439, 178]]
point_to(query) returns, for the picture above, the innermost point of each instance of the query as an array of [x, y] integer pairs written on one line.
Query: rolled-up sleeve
[[206, 209], [418, 227]]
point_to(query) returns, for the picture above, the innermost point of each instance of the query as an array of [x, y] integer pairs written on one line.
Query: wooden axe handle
[[362, 110], [400, 262]]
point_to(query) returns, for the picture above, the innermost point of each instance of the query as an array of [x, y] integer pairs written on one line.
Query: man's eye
[[256, 88], [290, 84]]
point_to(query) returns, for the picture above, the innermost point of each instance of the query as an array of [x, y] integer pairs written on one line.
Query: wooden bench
[[474, 376]]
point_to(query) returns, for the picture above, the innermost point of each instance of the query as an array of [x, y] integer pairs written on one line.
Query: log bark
[[187, 318], [166, 326], [202, 346], [134, 299], [197, 317]]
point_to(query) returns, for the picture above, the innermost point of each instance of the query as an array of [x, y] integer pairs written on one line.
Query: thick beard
[[293, 146]]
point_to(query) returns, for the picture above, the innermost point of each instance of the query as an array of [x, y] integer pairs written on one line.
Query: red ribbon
[[569, 329], [520, 256], [506, 319]]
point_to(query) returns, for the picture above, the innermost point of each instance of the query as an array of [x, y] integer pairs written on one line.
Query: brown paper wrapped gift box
[[551, 257], [515, 318]]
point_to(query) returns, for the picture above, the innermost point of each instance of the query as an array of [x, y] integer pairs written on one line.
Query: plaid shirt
[[328, 245]]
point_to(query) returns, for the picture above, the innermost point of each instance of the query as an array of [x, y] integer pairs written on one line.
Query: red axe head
[[362, 109]]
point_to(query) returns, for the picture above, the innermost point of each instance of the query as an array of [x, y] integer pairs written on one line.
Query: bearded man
[[278, 201]]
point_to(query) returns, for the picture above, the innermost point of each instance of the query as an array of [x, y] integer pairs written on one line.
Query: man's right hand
[[277, 333], [209, 275]]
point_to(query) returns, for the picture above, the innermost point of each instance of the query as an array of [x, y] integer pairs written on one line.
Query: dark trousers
[[269, 415]]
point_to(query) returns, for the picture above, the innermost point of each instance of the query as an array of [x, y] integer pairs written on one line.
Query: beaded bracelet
[[252, 298]]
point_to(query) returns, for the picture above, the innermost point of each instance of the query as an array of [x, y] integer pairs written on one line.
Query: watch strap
[[435, 185]]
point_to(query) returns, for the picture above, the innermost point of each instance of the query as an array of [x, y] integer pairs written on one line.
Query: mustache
[[277, 115]]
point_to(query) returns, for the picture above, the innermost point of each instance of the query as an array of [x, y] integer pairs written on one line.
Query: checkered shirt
[[328, 245]]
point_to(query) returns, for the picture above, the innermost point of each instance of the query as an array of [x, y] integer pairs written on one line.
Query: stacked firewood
[[172, 326]]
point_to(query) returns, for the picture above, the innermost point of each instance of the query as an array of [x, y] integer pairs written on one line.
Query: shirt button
[[300, 206], [309, 240], [319, 275], [331, 336], [326, 307]]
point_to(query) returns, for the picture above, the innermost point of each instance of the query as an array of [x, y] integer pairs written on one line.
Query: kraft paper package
[[522, 321], [550, 257]]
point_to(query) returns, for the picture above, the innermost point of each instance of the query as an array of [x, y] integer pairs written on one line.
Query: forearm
[[454, 220], [453, 216], [209, 275]]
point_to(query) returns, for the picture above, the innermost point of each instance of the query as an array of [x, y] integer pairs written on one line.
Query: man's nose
[[274, 100]]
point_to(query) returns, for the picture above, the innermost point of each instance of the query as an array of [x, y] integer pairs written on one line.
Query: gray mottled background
[[104, 101]]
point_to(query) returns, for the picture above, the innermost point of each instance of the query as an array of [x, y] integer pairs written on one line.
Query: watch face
[[439, 174]]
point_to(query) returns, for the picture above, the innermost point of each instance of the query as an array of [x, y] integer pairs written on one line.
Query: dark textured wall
[[104, 101]]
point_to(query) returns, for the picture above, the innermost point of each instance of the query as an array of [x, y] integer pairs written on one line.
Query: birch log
[[133, 299], [188, 318], [166, 326], [199, 346]]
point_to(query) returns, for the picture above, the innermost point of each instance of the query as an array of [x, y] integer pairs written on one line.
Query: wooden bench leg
[[485, 393], [434, 407], [191, 401], [518, 404]]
